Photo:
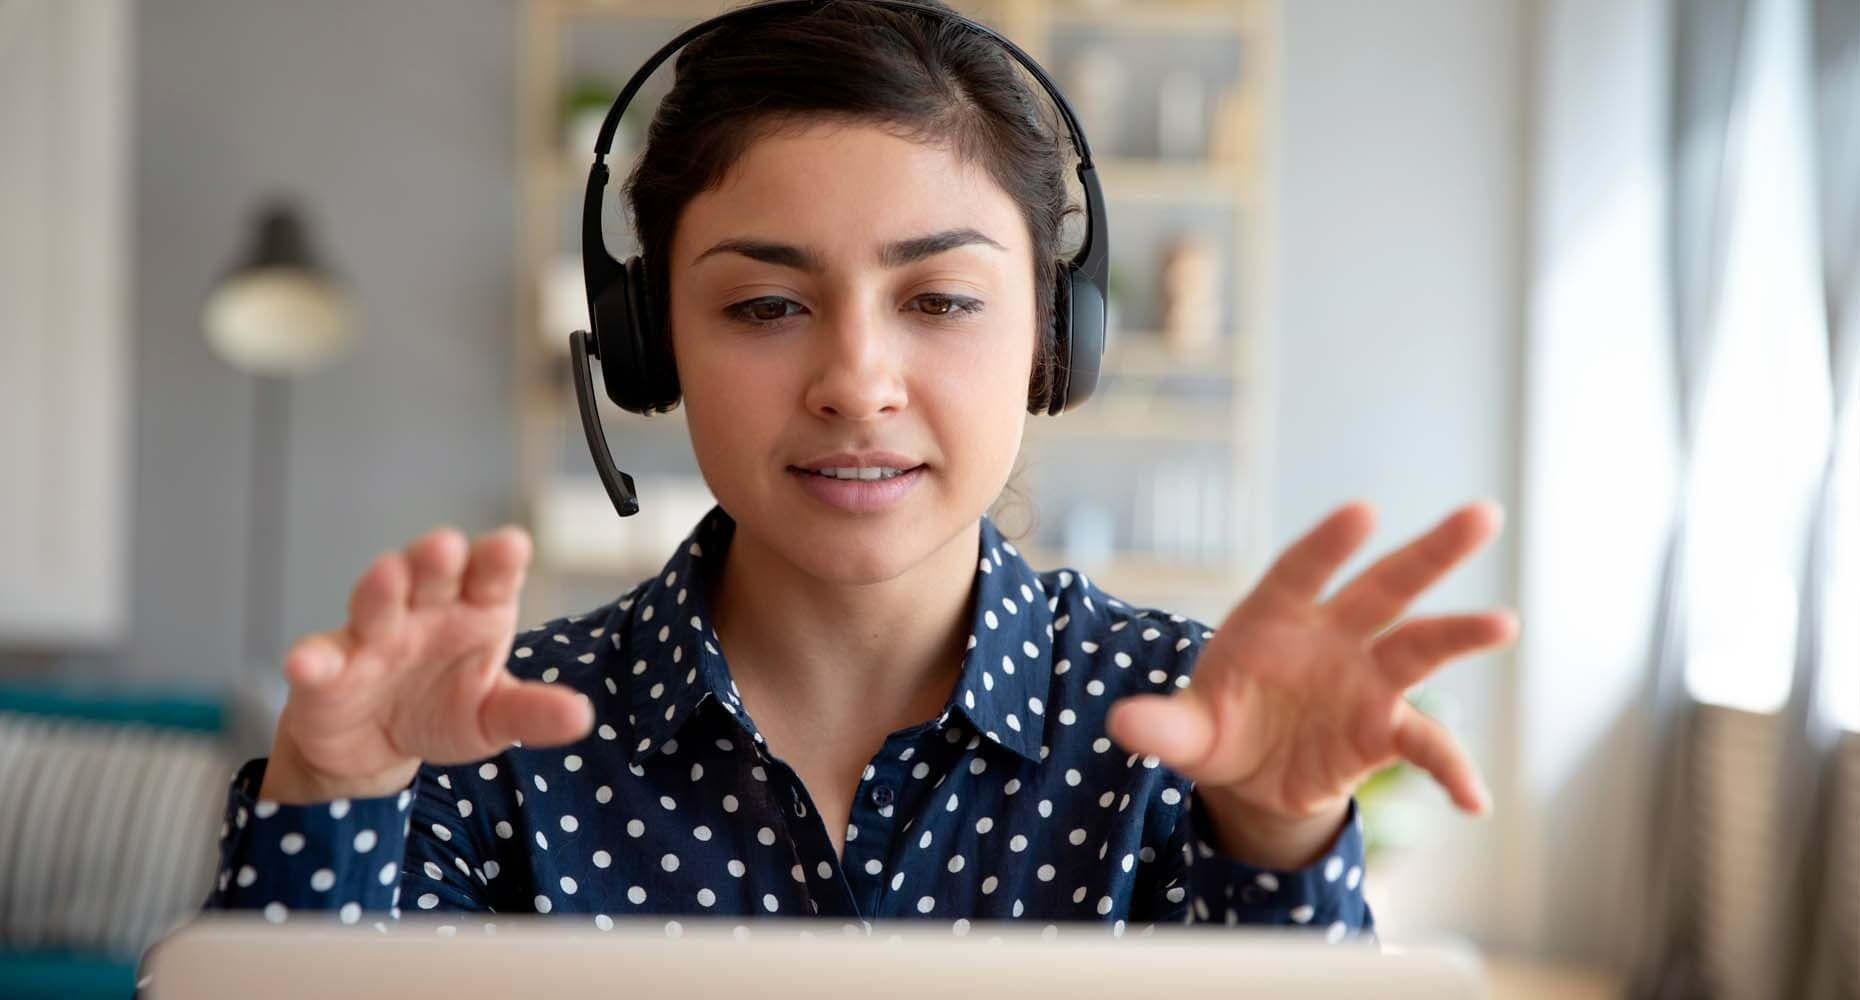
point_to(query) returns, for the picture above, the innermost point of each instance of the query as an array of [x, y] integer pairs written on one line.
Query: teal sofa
[[67, 932]]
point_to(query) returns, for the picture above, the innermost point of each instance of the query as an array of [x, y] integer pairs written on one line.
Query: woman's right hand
[[416, 675]]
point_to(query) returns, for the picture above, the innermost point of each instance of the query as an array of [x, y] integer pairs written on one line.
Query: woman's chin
[[854, 554]]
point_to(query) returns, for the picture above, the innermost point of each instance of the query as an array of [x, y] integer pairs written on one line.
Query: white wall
[[1400, 234], [1600, 477], [64, 322]]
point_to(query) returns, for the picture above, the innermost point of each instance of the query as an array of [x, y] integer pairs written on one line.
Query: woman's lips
[[859, 496]]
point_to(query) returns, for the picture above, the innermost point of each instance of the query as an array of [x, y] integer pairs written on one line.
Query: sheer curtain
[[1821, 921], [1755, 674]]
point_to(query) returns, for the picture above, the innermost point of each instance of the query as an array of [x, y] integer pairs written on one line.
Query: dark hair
[[925, 78]]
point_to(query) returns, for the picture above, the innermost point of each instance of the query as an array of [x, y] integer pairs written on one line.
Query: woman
[[846, 694]]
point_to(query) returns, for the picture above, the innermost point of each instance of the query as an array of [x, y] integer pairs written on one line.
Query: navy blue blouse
[[1011, 803]]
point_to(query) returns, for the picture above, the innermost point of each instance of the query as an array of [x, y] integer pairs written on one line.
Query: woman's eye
[[947, 305], [770, 310], [761, 312]]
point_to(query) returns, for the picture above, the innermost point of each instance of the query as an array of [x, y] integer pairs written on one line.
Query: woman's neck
[[844, 657]]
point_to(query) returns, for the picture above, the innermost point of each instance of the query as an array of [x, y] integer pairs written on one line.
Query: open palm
[[418, 673], [1295, 700]]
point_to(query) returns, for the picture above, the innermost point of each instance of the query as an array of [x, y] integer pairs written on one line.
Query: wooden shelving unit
[[1155, 409]]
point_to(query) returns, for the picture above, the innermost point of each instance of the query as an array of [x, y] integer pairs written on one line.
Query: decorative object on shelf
[[584, 104], [276, 314], [1117, 284], [1182, 116], [1182, 512], [575, 528], [1233, 137], [1190, 294], [1391, 820], [564, 301]]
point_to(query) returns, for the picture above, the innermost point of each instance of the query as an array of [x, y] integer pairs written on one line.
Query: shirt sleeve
[[1208, 887], [352, 856]]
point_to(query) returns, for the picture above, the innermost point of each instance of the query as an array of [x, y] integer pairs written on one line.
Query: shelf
[[687, 11], [1103, 419], [1129, 573], [1144, 354], [1146, 15], [1145, 179]]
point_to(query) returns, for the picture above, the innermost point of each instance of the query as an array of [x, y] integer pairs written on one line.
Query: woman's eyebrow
[[898, 254]]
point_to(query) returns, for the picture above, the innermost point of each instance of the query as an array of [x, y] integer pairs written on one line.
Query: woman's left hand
[[1295, 700]]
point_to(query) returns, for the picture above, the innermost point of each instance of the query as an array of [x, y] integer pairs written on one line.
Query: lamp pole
[[276, 314]]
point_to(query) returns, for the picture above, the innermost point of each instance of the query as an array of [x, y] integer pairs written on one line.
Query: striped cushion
[[107, 832]]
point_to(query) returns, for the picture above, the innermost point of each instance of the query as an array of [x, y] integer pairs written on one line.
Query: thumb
[[534, 712], [1178, 728]]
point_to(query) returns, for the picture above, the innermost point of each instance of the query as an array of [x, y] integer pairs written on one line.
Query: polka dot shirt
[[1011, 803]]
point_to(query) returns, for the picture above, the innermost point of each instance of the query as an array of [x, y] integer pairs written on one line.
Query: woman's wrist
[[1266, 839], [291, 781]]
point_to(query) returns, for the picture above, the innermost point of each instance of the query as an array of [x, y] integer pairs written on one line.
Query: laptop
[[478, 958], [237, 955]]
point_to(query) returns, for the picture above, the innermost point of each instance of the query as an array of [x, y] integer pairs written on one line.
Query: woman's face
[[848, 299]]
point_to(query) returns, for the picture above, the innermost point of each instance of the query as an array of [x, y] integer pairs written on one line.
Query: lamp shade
[[277, 312]]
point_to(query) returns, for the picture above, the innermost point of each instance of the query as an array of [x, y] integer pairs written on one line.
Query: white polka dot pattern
[[1011, 803]]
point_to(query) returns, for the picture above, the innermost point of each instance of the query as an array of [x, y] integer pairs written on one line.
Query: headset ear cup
[[659, 374], [610, 316], [1085, 330], [653, 389], [1058, 361]]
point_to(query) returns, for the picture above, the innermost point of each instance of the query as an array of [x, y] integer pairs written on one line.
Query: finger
[[536, 713], [1427, 744], [1301, 572], [378, 603], [437, 557], [1179, 729], [1382, 592], [315, 661], [1417, 648], [494, 573]]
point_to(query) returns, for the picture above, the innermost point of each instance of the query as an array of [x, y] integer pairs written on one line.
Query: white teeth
[[868, 473]]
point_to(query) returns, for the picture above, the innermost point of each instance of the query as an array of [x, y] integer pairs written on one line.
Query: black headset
[[628, 324]]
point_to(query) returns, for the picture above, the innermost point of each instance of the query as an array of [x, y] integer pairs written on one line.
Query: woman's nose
[[859, 369]]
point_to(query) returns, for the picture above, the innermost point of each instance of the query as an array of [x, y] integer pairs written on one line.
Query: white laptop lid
[[468, 959]]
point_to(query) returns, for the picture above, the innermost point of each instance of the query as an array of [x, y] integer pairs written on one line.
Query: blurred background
[[284, 284]]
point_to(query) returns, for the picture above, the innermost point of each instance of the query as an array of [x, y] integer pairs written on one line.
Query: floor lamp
[[277, 314]]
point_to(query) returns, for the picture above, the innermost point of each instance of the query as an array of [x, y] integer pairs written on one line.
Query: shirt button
[[881, 795]]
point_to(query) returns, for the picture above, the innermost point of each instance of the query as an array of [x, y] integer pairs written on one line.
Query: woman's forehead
[[850, 193]]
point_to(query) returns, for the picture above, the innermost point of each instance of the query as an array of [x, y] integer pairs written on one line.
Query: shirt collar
[[674, 663], [672, 647]]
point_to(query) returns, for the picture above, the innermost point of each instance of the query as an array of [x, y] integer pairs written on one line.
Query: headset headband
[[1090, 258]]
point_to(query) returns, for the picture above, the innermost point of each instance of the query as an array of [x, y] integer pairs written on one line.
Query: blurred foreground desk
[[1516, 977]]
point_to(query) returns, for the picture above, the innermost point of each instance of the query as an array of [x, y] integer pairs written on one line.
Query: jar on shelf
[[1190, 294]]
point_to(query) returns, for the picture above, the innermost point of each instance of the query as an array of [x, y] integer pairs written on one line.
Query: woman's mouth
[[859, 490], [868, 474]]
